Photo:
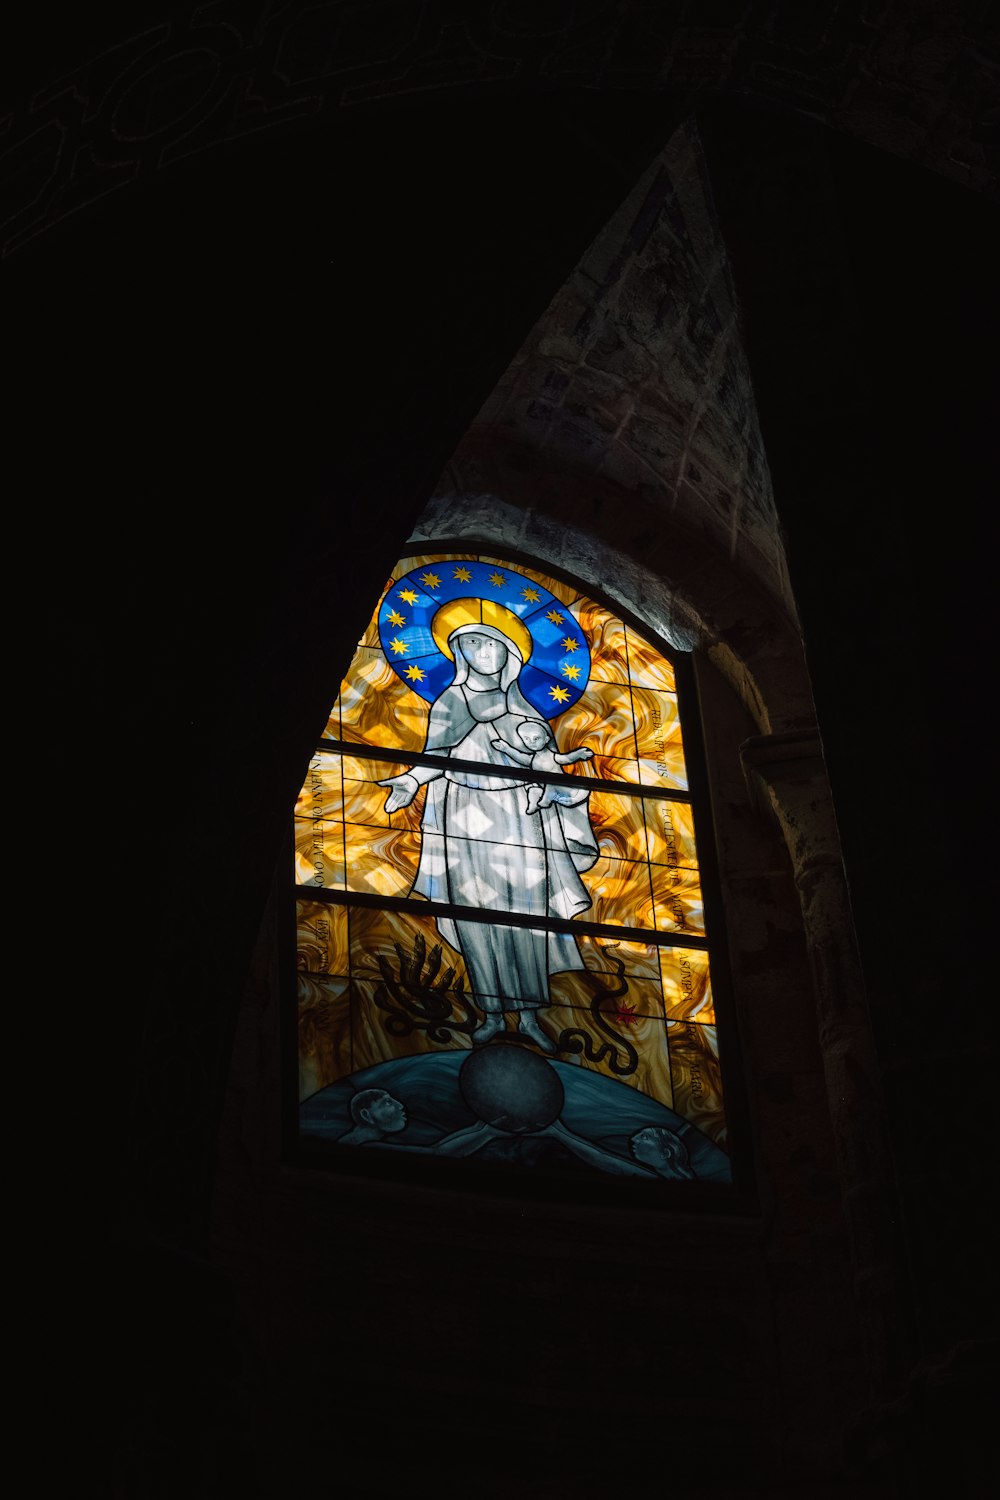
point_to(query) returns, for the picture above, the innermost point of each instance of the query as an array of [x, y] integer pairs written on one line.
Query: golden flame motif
[[602, 720], [605, 634], [647, 667], [619, 825], [646, 876], [380, 863], [324, 1032]]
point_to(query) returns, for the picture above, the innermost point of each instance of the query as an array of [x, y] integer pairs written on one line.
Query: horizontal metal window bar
[[435, 909], [518, 773]]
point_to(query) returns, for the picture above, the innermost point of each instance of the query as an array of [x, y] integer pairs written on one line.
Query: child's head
[[534, 734]]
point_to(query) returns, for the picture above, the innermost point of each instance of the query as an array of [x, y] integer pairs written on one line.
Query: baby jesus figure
[[540, 754]]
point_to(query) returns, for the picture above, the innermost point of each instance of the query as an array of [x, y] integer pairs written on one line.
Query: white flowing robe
[[481, 848]]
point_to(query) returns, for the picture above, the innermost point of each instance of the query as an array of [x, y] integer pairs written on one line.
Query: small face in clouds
[[386, 1113], [662, 1150]]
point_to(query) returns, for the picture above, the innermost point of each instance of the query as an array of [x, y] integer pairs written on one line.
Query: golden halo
[[479, 612]]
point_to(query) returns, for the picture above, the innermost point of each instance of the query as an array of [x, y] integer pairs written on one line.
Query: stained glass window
[[502, 956]]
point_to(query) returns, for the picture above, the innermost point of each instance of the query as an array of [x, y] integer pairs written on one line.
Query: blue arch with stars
[[551, 680]]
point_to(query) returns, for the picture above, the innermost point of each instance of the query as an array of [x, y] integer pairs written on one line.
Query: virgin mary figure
[[481, 847]]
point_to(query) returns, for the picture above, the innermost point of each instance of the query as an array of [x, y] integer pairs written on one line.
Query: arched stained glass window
[[502, 957]]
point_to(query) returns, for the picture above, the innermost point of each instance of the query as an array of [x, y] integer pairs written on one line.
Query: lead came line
[[651, 937], [446, 763]]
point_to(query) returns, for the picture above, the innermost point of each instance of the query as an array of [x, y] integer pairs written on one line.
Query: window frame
[[327, 1161]]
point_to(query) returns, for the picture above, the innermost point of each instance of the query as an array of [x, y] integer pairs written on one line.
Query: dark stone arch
[[657, 570], [207, 80]]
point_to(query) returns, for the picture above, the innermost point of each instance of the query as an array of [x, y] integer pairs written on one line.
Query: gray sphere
[[511, 1088]]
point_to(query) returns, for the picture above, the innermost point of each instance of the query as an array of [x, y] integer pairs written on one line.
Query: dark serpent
[[574, 1041]]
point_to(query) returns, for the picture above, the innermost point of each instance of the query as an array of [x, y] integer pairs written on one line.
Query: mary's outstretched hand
[[404, 789]]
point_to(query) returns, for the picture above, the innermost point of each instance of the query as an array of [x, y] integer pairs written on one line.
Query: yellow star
[[430, 580], [560, 694], [497, 580], [569, 644], [415, 673], [400, 647], [531, 595], [570, 670], [555, 617], [408, 595], [463, 575], [395, 618]]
